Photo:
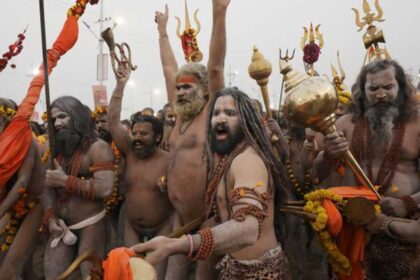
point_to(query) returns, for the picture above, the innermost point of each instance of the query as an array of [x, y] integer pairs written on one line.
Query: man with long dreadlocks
[[243, 198], [383, 132], [83, 178]]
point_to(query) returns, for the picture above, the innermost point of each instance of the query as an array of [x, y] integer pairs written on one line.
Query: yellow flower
[[4, 248]]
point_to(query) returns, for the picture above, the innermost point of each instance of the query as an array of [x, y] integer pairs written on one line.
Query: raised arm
[[216, 63], [167, 57], [118, 132]]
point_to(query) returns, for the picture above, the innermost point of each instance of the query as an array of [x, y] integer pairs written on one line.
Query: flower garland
[[21, 209], [114, 199], [99, 110], [311, 53], [14, 50], [7, 111], [78, 9], [339, 262], [45, 156]]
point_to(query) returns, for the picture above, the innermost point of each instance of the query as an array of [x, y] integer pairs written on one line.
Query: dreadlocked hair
[[257, 138]]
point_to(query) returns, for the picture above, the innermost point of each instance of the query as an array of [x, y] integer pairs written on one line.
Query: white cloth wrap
[[68, 237]]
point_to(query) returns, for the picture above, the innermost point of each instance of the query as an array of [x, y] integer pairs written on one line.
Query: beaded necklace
[[363, 150], [112, 201], [215, 177], [71, 167]]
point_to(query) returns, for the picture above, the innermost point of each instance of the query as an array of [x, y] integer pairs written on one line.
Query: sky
[[267, 24]]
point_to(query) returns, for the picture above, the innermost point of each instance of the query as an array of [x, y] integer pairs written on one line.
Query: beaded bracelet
[[206, 245]]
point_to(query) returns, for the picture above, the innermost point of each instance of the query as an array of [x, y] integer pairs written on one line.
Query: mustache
[[223, 128], [135, 142], [382, 104]]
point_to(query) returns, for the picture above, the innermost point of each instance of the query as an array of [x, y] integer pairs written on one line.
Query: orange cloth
[[335, 220], [15, 140], [351, 239], [117, 266]]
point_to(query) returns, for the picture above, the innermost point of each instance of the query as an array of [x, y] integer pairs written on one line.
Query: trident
[[286, 58]]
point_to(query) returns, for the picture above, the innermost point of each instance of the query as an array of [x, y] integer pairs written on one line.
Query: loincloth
[[273, 265], [390, 259], [68, 237]]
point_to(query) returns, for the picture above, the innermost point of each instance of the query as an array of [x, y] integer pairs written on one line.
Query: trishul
[[338, 79], [287, 58], [372, 36], [369, 17], [189, 37], [312, 35]]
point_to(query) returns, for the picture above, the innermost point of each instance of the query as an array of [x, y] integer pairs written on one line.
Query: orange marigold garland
[[78, 9], [99, 110], [20, 210], [114, 199]]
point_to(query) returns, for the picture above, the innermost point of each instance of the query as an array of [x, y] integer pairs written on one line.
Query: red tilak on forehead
[[187, 79]]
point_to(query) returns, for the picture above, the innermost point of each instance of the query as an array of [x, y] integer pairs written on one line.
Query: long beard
[[224, 146], [66, 142], [381, 121], [190, 109]]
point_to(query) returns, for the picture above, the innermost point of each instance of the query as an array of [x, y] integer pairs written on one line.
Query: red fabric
[[117, 265], [15, 140], [351, 239]]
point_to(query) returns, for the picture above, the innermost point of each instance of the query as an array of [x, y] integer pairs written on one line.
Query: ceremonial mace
[[311, 102], [51, 139], [260, 69], [108, 36]]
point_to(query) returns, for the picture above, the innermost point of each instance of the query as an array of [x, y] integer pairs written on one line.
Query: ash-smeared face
[[226, 131]]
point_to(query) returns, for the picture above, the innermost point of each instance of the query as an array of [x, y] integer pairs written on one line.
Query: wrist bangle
[[163, 36], [191, 246]]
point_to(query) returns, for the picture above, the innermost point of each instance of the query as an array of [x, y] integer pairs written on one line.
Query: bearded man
[[100, 115], [83, 178], [20, 213], [382, 131], [148, 211], [168, 125], [243, 197], [189, 90]]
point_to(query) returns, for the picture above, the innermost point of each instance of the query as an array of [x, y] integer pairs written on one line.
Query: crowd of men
[[205, 168]]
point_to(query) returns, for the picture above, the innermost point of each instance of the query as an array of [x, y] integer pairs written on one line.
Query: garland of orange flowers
[[339, 262], [20, 210], [45, 156], [114, 199], [99, 110]]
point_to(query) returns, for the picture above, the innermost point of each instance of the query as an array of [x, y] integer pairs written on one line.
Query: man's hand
[[393, 207], [274, 126], [162, 20], [335, 144], [124, 72], [55, 178], [160, 248], [375, 225]]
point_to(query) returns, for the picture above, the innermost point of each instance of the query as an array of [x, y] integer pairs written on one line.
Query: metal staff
[[51, 139], [285, 58]]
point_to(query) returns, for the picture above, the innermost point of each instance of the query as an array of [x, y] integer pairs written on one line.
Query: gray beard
[[381, 123]]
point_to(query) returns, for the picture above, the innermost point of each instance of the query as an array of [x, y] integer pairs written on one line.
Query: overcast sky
[[269, 24]]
